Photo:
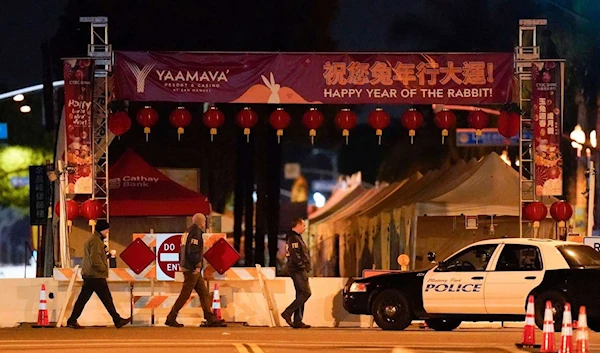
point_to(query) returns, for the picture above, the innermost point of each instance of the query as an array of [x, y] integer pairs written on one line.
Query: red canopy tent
[[139, 189]]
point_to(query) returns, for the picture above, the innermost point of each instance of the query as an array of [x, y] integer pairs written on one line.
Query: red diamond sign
[[221, 256], [138, 256]]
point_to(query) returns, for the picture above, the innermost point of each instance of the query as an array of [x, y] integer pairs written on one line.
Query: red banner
[[546, 100], [338, 78], [78, 75]]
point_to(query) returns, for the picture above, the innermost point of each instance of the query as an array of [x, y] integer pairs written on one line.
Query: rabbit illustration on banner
[[274, 97], [271, 93]]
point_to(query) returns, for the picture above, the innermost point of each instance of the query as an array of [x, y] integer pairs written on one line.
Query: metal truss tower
[[526, 53], [101, 52]]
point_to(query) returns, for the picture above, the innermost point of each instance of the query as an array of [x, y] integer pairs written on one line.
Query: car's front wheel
[[443, 324], [557, 301], [391, 310]]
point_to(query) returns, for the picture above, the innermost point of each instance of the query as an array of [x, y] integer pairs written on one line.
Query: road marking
[[241, 348], [401, 350], [254, 347]]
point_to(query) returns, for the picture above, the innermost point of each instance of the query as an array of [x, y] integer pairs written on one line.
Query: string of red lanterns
[[508, 121], [92, 210]]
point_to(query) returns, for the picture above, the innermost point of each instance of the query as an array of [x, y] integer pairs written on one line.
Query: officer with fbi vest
[[190, 262]]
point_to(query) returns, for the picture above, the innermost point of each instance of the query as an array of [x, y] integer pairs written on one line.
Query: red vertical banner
[[78, 75], [546, 101]]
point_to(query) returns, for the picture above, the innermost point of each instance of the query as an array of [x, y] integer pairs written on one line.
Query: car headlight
[[358, 287]]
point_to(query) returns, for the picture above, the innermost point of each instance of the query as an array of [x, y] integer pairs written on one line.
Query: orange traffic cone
[[216, 306], [43, 310], [582, 343], [548, 344], [566, 339], [529, 329]]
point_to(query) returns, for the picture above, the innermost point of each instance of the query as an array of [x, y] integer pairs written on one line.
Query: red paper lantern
[[72, 211], [180, 118], [246, 119], [147, 117], [313, 119], [91, 210], [445, 120], [279, 120], [379, 120], [508, 124], [561, 211], [345, 120], [213, 118], [412, 120], [119, 123], [536, 212], [478, 120]]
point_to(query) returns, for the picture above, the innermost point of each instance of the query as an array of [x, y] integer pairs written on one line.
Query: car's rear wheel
[[443, 324], [558, 302], [594, 324], [391, 310]]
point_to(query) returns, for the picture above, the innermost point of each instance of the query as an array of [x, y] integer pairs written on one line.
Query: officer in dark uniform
[[190, 262], [298, 264]]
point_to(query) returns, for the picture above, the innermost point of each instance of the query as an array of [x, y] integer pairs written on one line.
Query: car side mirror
[[442, 266], [431, 256]]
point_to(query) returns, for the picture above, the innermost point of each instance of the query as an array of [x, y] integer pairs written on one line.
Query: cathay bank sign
[[130, 181]]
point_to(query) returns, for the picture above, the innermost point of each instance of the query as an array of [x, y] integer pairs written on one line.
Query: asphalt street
[[239, 339]]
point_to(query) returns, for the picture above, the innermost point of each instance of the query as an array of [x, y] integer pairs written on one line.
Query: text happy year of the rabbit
[[408, 93]]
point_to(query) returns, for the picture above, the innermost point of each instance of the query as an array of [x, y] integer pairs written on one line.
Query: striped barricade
[[114, 274], [162, 301], [239, 274]]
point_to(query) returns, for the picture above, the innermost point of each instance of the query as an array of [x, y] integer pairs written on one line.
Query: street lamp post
[[578, 141]]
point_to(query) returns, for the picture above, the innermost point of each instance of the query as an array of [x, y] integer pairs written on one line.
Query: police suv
[[486, 281]]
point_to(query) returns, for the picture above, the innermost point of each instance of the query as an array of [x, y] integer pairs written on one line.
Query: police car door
[[456, 286], [519, 269]]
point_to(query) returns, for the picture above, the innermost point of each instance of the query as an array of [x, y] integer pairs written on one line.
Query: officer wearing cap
[[94, 271]]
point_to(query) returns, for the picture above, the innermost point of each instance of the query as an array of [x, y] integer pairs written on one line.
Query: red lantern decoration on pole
[[246, 119], [180, 118], [379, 120], [345, 120], [147, 117], [91, 210], [445, 120], [72, 211], [536, 212], [313, 119], [508, 124], [412, 120], [279, 120], [119, 123], [214, 119], [478, 120], [561, 211]]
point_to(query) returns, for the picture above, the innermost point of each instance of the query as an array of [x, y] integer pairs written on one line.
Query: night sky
[[26, 23]]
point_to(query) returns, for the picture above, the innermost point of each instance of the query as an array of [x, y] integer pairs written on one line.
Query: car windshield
[[580, 255]]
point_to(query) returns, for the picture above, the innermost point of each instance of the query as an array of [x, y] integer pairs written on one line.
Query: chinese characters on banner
[[78, 75], [338, 78], [38, 195], [546, 100]]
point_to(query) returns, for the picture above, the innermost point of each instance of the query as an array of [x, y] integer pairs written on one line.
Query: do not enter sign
[[167, 256]]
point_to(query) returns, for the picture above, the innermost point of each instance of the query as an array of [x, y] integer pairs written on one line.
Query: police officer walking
[[298, 264], [190, 262], [94, 271]]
